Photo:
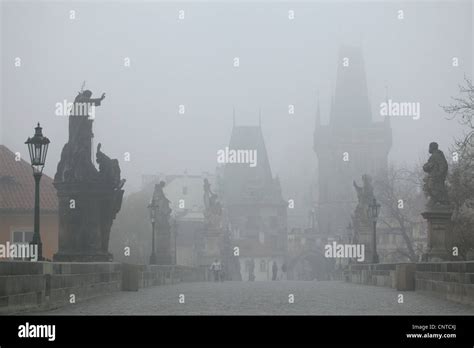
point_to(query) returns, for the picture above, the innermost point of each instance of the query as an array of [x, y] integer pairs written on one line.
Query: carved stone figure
[[164, 210], [163, 252], [213, 212], [365, 195], [360, 219], [89, 199], [434, 182]]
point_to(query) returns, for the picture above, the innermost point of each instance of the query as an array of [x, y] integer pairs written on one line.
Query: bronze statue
[[434, 182], [75, 163], [89, 199]]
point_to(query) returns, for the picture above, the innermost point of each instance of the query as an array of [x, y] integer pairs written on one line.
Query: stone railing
[[30, 286], [452, 281], [43, 285], [372, 274]]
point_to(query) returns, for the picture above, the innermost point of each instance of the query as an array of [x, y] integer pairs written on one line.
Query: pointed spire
[[351, 107], [233, 116]]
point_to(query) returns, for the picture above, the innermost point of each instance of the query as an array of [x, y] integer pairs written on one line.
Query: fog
[[190, 62]]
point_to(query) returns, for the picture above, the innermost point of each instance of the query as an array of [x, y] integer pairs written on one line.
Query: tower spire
[[233, 116]]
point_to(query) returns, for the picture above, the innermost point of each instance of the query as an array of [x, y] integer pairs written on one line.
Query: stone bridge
[[119, 289]]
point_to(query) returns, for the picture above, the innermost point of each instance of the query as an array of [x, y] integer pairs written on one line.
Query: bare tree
[[461, 178], [399, 193]]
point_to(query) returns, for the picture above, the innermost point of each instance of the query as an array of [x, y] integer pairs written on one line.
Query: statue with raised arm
[[436, 170], [88, 198], [76, 163]]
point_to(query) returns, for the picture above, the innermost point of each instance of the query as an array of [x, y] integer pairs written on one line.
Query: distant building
[[254, 207], [351, 144], [17, 197]]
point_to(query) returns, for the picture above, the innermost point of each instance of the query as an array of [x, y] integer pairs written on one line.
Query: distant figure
[[215, 268], [274, 271]]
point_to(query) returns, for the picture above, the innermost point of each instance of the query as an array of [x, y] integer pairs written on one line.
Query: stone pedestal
[[364, 235], [163, 245], [439, 223], [86, 212]]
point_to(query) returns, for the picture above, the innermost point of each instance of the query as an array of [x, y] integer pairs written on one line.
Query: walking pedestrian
[[215, 266], [274, 271]]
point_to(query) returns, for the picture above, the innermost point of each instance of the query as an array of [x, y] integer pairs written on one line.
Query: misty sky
[[190, 62]]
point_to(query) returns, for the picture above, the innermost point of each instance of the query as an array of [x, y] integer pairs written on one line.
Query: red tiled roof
[[17, 186]]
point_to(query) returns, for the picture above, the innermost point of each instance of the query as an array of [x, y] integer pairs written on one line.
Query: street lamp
[[38, 148], [373, 213], [153, 210]]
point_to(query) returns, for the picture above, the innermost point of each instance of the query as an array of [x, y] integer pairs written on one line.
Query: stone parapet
[[26, 286], [452, 281]]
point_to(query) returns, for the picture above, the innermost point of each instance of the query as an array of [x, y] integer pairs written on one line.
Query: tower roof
[[351, 105], [242, 181]]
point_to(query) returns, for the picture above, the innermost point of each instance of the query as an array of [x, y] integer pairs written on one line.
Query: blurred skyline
[[190, 62]]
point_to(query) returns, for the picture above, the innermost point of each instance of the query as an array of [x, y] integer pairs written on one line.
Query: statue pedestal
[[86, 212], [439, 221], [364, 235], [163, 246]]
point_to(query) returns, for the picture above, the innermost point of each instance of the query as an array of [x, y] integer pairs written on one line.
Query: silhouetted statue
[[213, 208], [365, 193], [360, 219], [89, 199], [163, 241], [75, 163], [434, 182], [164, 210]]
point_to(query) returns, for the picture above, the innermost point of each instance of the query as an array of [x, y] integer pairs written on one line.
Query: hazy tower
[[351, 144]]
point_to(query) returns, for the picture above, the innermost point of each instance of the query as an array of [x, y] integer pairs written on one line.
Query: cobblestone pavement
[[253, 298]]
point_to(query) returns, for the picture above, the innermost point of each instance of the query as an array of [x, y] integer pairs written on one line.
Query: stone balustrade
[[30, 286], [452, 281]]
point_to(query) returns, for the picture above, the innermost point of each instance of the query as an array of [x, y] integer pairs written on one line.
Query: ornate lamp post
[[373, 212], [38, 148], [153, 210]]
